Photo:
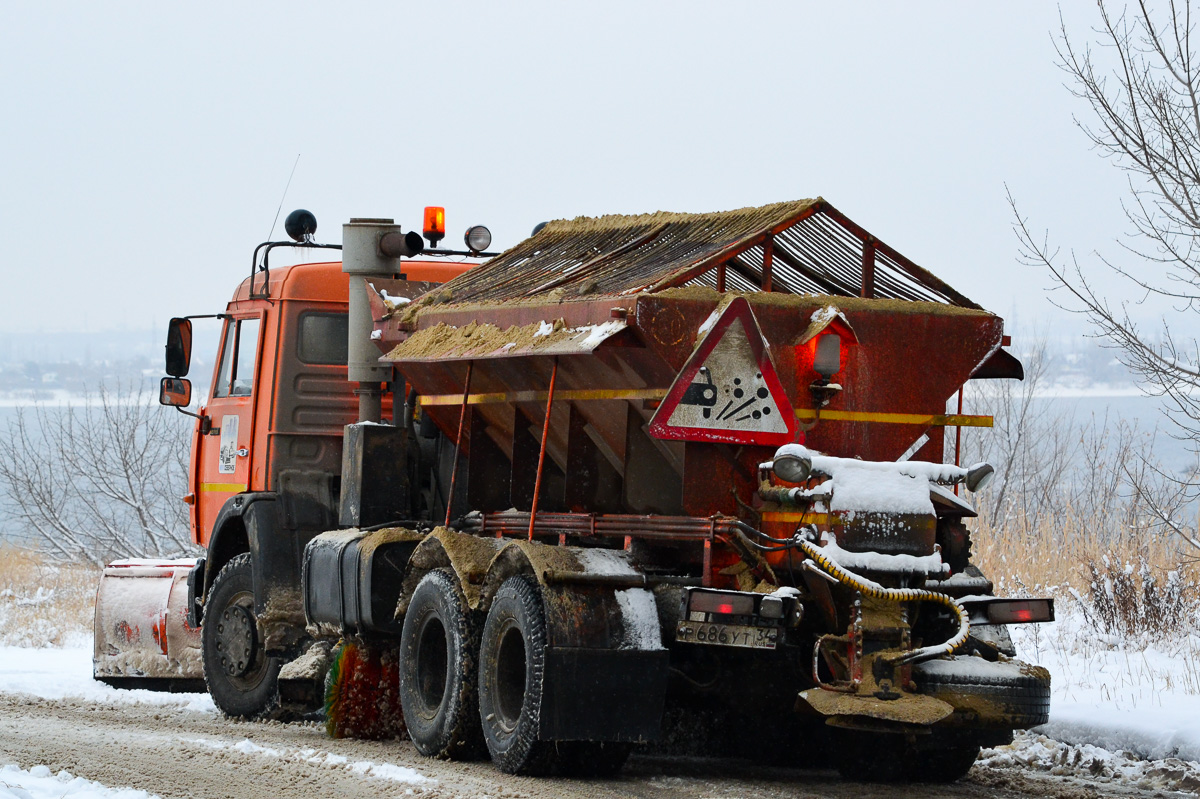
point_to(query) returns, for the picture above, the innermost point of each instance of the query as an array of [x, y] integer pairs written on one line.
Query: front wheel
[[242, 680]]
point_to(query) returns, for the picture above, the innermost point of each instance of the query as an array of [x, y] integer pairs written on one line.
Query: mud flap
[[142, 636], [603, 695]]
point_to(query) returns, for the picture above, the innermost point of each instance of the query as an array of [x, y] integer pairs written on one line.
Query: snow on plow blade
[[142, 636]]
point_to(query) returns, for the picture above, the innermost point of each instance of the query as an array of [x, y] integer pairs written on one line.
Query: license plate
[[694, 632]]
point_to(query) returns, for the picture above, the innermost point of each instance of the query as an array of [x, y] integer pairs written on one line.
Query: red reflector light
[[1018, 611], [727, 603]]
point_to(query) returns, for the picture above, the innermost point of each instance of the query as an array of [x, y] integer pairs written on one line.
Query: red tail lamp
[[725, 603], [1018, 611]]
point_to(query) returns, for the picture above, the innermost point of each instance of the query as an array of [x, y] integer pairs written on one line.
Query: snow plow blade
[[142, 636]]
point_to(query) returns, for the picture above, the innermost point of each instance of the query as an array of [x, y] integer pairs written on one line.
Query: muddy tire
[[872, 757], [1023, 698], [512, 669], [242, 680], [439, 647], [943, 765], [891, 758]]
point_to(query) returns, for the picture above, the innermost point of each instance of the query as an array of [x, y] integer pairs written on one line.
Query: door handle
[[243, 452]]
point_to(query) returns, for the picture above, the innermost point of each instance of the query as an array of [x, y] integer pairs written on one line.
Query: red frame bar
[[537, 483], [462, 416]]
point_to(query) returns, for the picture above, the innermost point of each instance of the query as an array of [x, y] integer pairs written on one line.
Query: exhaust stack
[[363, 258]]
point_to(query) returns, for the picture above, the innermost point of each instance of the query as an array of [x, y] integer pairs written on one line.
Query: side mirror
[[175, 391], [179, 348]]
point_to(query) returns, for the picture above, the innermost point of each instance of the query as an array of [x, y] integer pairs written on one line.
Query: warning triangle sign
[[728, 390]]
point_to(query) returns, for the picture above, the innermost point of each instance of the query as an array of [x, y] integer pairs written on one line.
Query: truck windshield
[[236, 375]]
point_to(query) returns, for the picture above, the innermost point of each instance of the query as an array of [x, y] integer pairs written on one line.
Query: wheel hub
[[237, 637]]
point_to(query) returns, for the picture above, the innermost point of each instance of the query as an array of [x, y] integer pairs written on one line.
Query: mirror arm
[[206, 427]]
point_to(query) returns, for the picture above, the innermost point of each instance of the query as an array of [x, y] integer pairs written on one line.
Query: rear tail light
[[726, 603], [1020, 611]]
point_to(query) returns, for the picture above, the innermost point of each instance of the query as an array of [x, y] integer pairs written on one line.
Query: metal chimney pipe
[[363, 260]]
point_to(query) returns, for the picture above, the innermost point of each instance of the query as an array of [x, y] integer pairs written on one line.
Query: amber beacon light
[[435, 224]]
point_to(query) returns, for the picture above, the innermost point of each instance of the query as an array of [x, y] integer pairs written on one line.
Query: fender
[[468, 555], [229, 537], [252, 522]]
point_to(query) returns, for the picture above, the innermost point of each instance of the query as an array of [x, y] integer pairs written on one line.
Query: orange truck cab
[[267, 447], [266, 465]]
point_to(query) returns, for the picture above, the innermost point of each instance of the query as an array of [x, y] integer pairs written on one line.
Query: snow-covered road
[[61, 734]]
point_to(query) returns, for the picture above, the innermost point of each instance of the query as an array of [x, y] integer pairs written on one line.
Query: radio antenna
[[284, 197]]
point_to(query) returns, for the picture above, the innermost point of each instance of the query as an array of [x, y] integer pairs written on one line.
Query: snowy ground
[[39, 783], [62, 673], [1124, 714], [1120, 695]]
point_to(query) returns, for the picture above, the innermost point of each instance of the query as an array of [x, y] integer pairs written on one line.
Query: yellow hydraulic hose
[[877, 591]]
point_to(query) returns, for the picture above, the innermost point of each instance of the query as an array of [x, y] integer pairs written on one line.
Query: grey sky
[[145, 147]]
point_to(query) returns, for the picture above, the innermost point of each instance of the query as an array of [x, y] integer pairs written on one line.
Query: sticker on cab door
[[227, 460]]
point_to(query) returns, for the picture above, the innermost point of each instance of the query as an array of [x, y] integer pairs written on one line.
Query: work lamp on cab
[[435, 224], [478, 238]]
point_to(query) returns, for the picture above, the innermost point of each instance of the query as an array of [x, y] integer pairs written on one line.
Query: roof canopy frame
[[799, 248]]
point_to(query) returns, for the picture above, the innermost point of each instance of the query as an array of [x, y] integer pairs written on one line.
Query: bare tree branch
[[100, 479]]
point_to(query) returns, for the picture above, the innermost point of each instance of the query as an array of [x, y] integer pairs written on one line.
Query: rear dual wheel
[[512, 664], [438, 668]]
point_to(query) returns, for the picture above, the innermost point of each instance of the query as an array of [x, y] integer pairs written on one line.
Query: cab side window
[[324, 338], [235, 378]]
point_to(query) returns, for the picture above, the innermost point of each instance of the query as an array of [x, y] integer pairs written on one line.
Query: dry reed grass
[[42, 602], [1137, 585], [1055, 556]]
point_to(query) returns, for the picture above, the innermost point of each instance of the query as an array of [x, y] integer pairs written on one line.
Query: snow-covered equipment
[[143, 638], [635, 475]]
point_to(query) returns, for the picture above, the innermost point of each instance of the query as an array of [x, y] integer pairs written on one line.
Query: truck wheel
[[242, 680], [945, 764], [512, 666], [872, 757], [438, 670], [888, 757]]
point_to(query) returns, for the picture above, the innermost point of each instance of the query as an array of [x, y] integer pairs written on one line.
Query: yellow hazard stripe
[[540, 396], [795, 517], [929, 420], [227, 487]]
